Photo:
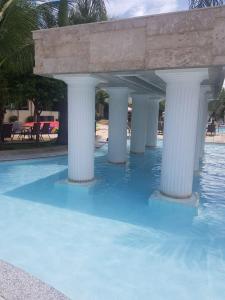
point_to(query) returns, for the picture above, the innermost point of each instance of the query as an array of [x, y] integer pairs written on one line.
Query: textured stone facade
[[175, 40]]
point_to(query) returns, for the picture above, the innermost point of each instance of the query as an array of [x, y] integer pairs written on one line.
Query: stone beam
[[189, 39]]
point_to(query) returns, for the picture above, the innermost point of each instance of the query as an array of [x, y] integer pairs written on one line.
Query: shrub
[[13, 119], [30, 119]]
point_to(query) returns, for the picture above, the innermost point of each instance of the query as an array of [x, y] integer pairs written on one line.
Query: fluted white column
[[81, 126], [138, 123], [181, 113], [118, 111], [204, 89], [152, 122]]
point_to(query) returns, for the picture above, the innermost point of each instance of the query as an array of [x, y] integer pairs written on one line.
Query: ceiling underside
[[143, 82], [147, 82]]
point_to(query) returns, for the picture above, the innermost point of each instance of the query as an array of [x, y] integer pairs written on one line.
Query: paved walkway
[[41, 152], [218, 138], [16, 284], [101, 139]]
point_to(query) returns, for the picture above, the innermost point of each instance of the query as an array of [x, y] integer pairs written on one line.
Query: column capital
[[205, 88], [205, 93], [209, 97], [79, 80], [117, 89], [179, 76], [141, 97], [155, 98]]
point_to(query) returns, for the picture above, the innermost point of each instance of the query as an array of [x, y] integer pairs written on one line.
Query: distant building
[[25, 112]]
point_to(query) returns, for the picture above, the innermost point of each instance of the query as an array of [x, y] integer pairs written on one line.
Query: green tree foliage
[[63, 13], [4, 96], [221, 109], [100, 100], [217, 107], [162, 106], [71, 12], [101, 96], [47, 15], [87, 11], [43, 92], [204, 3], [17, 20]]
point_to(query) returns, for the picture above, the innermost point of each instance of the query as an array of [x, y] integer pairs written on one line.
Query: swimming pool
[[103, 241], [221, 130]]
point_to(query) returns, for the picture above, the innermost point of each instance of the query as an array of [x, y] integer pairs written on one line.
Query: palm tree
[[204, 3], [71, 12], [87, 11], [17, 20], [63, 13]]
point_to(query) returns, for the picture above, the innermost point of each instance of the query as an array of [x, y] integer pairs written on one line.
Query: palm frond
[[204, 3], [86, 11], [17, 23]]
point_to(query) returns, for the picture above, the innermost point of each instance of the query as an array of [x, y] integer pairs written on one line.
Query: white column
[[138, 123], [81, 126], [118, 111], [152, 122], [182, 98], [200, 124]]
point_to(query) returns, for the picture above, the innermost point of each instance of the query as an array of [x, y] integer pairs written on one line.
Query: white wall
[[23, 114]]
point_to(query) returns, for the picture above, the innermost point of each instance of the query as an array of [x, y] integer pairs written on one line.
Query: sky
[[134, 8]]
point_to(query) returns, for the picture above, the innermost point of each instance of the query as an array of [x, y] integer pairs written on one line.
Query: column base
[[72, 183], [192, 201], [81, 181], [134, 152]]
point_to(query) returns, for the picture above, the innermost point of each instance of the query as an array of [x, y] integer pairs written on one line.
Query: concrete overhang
[[127, 52]]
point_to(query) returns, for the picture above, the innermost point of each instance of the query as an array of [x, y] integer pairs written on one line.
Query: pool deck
[[217, 139], [22, 154], [17, 284], [101, 139], [7, 155]]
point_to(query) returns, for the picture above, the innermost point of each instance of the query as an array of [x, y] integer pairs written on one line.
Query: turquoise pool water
[[103, 241], [221, 130]]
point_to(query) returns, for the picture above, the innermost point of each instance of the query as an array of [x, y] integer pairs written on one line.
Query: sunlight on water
[[103, 241]]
